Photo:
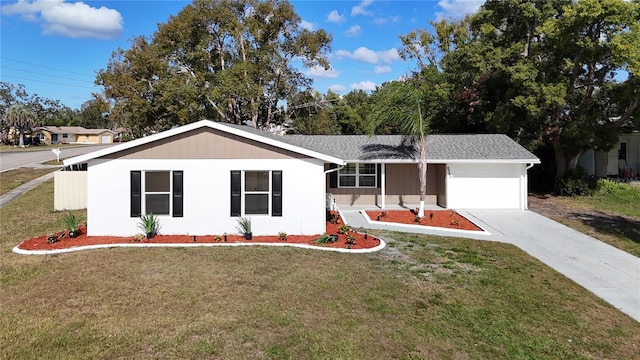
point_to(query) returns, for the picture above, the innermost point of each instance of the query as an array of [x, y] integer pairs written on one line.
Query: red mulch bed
[[438, 218], [40, 243]]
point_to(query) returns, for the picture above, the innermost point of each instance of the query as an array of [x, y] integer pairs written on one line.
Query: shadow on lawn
[[612, 225]]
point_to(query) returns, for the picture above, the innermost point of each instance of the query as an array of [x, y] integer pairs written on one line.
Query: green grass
[[616, 198], [54, 162], [423, 297], [11, 179]]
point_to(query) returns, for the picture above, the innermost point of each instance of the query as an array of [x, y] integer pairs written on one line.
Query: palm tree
[[409, 106], [20, 118]]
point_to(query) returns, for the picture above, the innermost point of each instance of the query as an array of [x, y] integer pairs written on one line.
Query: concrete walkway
[[13, 194], [610, 273]]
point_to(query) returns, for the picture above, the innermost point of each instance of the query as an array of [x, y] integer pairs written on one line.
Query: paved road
[[12, 160], [608, 272]]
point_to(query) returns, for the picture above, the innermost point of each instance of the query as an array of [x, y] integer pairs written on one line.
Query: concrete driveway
[[610, 273]]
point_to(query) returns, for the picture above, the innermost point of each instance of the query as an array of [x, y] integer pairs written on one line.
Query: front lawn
[[11, 179], [423, 297]]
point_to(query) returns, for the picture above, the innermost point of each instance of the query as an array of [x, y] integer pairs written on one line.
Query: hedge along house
[[200, 178]]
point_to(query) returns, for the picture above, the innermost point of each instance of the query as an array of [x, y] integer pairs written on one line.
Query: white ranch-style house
[[201, 177]]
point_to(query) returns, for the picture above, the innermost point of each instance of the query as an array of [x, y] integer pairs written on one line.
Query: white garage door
[[105, 139], [484, 186]]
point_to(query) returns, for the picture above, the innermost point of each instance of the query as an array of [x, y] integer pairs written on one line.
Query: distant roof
[[461, 148], [71, 130]]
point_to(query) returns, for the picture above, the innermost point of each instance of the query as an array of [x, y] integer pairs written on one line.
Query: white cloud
[[388, 56], [361, 8], [458, 8], [307, 25], [382, 69], [382, 21], [337, 88], [320, 72], [364, 85], [75, 20], [355, 30], [366, 55], [335, 17]]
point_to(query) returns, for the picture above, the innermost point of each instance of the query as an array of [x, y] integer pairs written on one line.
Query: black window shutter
[[136, 193], [333, 177], [379, 175], [276, 193], [236, 190], [177, 194]]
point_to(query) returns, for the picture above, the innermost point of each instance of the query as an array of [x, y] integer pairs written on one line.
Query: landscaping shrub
[[576, 182], [616, 190]]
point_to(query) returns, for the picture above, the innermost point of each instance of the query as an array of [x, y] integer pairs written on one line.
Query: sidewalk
[[15, 193]]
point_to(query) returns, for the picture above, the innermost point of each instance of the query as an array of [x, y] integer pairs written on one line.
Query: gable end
[[204, 143]]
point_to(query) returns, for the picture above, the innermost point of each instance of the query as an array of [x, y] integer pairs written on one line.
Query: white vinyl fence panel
[[70, 190]]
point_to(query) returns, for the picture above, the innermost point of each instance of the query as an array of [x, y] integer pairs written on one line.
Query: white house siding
[[486, 186], [206, 188], [603, 164]]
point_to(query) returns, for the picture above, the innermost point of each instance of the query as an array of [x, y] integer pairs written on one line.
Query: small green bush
[[326, 238], [71, 221], [616, 190], [576, 182]]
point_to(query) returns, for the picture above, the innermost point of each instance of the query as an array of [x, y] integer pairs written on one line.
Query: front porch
[[396, 186]]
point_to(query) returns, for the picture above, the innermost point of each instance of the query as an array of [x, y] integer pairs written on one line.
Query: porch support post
[[383, 184]]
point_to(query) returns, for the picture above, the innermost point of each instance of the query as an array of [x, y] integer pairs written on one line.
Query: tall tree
[[540, 69], [21, 119], [410, 106], [228, 60], [310, 114]]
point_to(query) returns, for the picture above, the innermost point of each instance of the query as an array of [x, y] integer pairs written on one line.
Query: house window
[[257, 192], [157, 188], [622, 152], [358, 175], [54, 137], [64, 136], [156, 192]]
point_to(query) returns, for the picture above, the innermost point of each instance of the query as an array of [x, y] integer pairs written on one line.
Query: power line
[[39, 73], [44, 67], [47, 82]]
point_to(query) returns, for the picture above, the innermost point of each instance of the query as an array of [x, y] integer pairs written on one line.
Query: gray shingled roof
[[392, 148]]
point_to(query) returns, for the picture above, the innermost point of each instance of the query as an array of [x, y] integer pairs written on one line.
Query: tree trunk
[[422, 175], [564, 160], [21, 138]]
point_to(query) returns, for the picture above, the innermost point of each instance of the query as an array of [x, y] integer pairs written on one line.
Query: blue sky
[[55, 47]]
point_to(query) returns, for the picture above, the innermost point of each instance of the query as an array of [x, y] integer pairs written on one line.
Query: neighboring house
[[622, 161], [199, 178], [72, 134]]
